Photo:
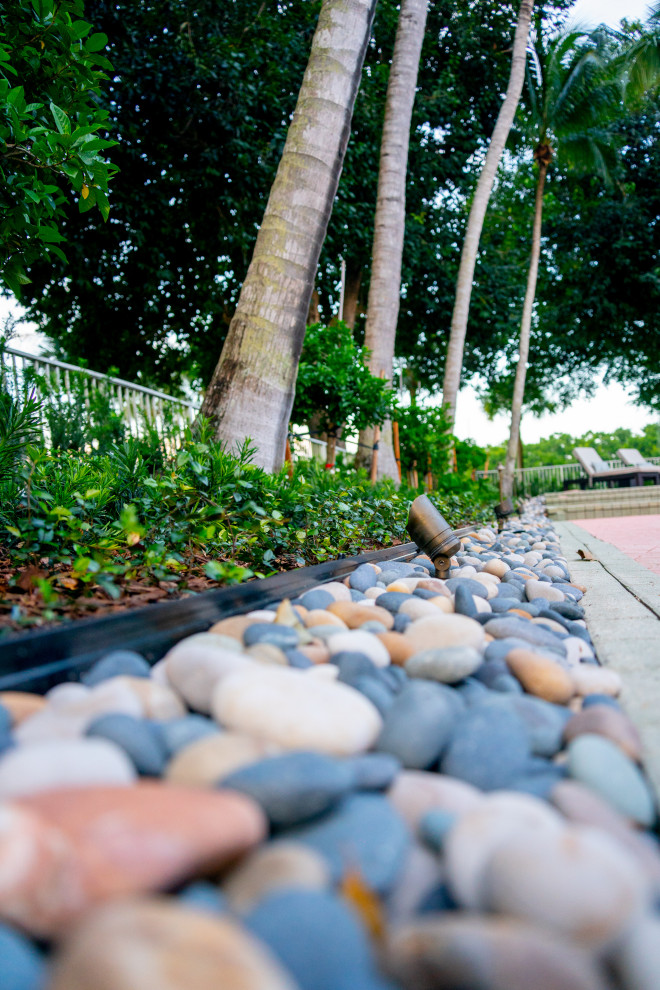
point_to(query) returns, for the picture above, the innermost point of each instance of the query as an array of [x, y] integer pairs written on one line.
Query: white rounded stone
[[196, 664], [295, 711], [359, 641], [47, 766]]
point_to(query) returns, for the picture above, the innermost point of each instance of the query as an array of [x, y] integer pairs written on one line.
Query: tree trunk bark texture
[[390, 219], [459, 320], [352, 293], [525, 329], [252, 389]]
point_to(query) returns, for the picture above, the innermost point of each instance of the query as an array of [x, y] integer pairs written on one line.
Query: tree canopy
[[51, 79]]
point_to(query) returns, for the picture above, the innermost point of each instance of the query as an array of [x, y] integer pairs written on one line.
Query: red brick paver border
[[636, 536]]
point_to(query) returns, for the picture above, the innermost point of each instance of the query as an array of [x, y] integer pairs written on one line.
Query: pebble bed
[[392, 782]]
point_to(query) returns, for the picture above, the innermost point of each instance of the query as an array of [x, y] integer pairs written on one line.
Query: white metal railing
[[140, 408], [552, 475]]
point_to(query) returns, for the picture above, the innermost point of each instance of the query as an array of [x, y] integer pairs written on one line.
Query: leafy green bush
[[103, 520]]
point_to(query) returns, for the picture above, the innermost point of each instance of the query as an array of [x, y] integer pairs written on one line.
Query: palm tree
[[252, 388], [575, 90], [390, 217], [459, 319]]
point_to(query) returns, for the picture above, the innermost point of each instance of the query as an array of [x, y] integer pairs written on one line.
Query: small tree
[[424, 440], [335, 387], [50, 75]]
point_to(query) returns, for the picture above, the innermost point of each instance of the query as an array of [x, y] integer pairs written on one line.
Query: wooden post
[[500, 478], [374, 455], [415, 479], [429, 476], [288, 458], [397, 449]]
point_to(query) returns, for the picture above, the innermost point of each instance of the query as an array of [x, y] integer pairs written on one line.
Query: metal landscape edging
[[36, 661]]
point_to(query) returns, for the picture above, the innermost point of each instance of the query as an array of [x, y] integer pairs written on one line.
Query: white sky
[[610, 407]]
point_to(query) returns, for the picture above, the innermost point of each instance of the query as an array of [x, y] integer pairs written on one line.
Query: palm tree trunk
[[459, 320], [525, 328], [251, 392], [390, 219]]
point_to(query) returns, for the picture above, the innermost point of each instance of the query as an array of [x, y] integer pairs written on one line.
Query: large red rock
[[62, 851]]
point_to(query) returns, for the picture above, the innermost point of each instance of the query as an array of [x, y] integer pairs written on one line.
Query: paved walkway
[[636, 536]]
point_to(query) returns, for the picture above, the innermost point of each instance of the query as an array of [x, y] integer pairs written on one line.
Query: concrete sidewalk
[[622, 610]]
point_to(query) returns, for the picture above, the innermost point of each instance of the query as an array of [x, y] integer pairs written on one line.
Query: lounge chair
[[596, 469], [632, 458]]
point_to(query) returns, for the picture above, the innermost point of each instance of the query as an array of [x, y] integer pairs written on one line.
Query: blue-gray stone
[[318, 939], [490, 669], [316, 599], [22, 967], [418, 724], [499, 649], [393, 600], [5, 720], [6, 741], [399, 568], [204, 896], [544, 722], [373, 626], [376, 691], [363, 577], [547, 613], [575, 629], [352, 665], [507, 684], [475, 588], [401, 622], [357, 596], [489, 747], [394, 677], [531, 608], [424, 562], [600, 699], [141, 740], [498, 604], [464, 601], [373, 771], [286, 637], [293, 787], [433, 827], [507, 627], [513, 591], [601, 765], [438, 899], [568, 609], [539, 779], [514, 578], [472, 691], [364, 832], [179, 732], [298, 659], [116, 664], [323, 632], [425, 593]]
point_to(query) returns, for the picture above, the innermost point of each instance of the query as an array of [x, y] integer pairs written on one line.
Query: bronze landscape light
[[432, 534]]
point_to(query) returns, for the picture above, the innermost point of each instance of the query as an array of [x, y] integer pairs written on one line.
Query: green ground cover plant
[[86, 529]]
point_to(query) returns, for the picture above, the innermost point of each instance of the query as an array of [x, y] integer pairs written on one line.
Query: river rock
[[273, 867], [138, 738], [447, 951], [363, 833], [590, 679], [373, 771], [418, 724], [177, 733], [489, 747], [114, 664], [512, 627], [124, 841], [57, 763], [445, 630], [540, 676], [316, 600], [398, 647], [296, 711], [21, 705], [363, 577], [196, 664], [414, 793], [318, 938], [636, 958], [358, 641], [447, 665], [22, 967], [158, 943], [576, 880], [339, 591], [286, 637], [479, 832], [205, 761], [293, 787], [601, 765], [158, 701], [354, 615], [606, 721], [540, 589]]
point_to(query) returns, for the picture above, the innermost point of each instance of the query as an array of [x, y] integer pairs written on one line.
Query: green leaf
[[61, 119], [96, 42]]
